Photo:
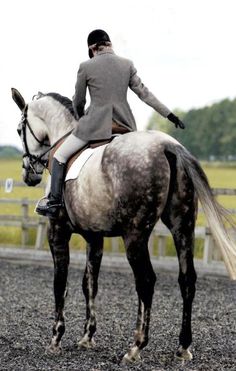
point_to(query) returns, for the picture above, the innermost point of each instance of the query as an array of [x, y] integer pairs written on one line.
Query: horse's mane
[[66, 102]]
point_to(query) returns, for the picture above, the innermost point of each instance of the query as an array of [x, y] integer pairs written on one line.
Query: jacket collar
[[106, 51]]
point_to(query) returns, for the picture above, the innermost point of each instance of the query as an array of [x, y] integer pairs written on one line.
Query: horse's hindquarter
[[128, 181]]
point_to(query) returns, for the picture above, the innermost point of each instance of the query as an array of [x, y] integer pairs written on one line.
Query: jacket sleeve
[[144, 94], [79, 98]]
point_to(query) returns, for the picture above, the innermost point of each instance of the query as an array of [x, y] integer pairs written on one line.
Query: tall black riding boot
[[52, 206]]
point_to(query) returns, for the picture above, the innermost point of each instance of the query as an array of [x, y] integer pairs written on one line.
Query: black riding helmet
[[97, 36]]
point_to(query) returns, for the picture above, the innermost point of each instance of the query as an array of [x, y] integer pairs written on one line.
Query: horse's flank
[[111, 176]]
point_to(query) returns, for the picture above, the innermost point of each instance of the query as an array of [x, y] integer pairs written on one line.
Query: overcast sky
[[184, 50]]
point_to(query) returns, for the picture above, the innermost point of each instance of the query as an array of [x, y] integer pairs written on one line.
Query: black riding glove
[[176, 121]]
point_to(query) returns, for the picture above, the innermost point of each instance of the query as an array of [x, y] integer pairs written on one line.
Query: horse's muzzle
[[30, 178]]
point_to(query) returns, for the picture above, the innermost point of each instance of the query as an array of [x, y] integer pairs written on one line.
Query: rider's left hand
[[176, 121]]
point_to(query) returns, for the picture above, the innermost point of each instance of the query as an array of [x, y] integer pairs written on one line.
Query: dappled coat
[[108, 78]]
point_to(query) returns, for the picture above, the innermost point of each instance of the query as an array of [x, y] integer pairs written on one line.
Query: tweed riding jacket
[[108, 78]]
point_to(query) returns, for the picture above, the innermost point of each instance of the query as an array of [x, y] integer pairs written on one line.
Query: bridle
[[33, 159]]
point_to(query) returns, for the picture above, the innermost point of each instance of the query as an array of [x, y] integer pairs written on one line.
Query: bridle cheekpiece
[[33, 159]]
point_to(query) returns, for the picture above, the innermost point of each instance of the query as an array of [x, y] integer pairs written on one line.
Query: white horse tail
[[217, 216]]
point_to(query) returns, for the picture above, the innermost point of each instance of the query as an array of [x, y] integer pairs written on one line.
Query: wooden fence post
[[41, 233], [161, 246], [114, 245], [25, 216], [208, 247]]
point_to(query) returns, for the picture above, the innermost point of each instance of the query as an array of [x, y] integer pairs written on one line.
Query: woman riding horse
[[122, 190], [108, 78]]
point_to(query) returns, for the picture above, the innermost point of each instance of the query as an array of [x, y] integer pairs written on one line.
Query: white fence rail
[[157, 242]]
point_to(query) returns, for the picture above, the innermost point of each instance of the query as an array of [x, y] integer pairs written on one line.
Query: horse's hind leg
[[58, 236], [90, 287], [145, 278], [179, 216]]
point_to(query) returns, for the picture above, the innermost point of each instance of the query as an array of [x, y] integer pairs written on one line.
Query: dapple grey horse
[[122, 190]]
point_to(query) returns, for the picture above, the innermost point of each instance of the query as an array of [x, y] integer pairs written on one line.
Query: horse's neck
[[58, 131], [58, 121]]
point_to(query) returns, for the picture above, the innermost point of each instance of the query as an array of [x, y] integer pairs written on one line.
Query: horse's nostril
[[32, 179]]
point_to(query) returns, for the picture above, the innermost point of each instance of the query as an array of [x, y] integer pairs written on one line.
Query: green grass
[[12, 169], [220, 176]]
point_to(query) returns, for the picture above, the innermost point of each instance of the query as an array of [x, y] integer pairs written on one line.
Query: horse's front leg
[[145, 278], [58, 236], [90, 287]]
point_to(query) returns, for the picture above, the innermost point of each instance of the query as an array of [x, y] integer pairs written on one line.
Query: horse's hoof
[[54, 349], [183, 354], [86, 343], [133, 356]]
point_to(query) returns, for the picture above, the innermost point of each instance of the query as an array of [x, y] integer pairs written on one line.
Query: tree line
[[10, 152], [210, 132]]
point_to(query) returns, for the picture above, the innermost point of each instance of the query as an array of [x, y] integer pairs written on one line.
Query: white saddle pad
[[78, 164]]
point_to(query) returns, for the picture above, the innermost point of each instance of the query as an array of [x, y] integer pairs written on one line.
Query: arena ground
[[26, 300]]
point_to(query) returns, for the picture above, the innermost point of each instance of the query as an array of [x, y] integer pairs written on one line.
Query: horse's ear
[[18, 99], [40, 94]]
